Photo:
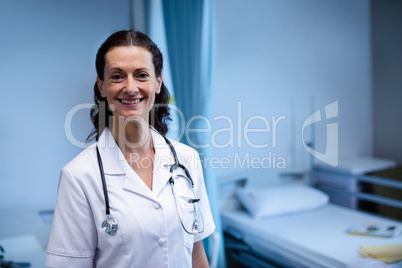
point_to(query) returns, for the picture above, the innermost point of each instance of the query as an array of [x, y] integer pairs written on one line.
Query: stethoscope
[[110, 224]]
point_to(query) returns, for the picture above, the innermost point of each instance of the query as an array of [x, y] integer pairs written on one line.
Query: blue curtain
[[189, 35]]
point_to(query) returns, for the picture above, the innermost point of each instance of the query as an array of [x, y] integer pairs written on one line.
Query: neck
[[132, 136]]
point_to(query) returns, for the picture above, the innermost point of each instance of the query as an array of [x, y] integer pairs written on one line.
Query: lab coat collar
[[113, 159], [163, 160], [114, 163]]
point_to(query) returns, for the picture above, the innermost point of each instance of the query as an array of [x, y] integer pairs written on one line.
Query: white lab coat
[[149, 233]]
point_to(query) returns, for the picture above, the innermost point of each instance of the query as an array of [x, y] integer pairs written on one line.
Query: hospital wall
[[283, 60], [387, 79], [275, 62], [47, 55]]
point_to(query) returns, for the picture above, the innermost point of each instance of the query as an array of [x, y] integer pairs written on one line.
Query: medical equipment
[[110, 224]]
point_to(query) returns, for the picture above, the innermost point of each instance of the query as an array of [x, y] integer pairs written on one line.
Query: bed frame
[[238, 252]]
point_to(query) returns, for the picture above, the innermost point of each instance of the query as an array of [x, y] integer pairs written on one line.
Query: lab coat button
[[161, 242], [156, 206]]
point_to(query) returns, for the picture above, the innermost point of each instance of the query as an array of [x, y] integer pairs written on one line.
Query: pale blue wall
[[274, 56], [47, 55], [269, 54]]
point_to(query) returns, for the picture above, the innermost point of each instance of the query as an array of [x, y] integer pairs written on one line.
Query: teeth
[[131, 102]]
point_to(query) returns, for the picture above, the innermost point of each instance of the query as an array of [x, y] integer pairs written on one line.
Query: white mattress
[[316, 238]]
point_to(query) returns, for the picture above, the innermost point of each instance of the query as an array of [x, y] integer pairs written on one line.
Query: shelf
[[380, 181], [358, 191]]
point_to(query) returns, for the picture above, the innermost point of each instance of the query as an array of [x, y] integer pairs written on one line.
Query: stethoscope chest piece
[[110, 225]]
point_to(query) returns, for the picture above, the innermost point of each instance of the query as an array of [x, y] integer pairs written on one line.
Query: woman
[[154, 221]]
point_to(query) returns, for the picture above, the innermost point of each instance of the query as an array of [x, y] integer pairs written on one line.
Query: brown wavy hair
[[100, 114]]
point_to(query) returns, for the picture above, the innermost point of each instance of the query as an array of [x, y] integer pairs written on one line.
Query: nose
[[131, 86]]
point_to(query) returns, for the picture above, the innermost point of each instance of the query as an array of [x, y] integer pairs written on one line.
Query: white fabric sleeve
[[209, 225], [72, 241]]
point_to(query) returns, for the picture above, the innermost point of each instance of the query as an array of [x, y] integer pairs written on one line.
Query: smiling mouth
[[135, 101]]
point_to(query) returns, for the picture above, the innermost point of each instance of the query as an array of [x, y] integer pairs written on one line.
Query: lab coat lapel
[[136, 185], [163, 160], [114, 163], [113, 160]]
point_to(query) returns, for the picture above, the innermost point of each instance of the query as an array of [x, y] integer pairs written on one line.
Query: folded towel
[[387, 254]]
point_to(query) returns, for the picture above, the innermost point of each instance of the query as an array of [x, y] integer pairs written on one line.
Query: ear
[[158, 84], [100, 86]]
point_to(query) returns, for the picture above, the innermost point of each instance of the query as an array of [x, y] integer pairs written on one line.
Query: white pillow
[[280, 200]]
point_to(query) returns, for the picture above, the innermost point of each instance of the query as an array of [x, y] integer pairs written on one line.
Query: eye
[[116, 77], [143, 76]]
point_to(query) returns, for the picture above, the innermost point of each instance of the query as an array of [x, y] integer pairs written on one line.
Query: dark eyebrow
[[141, 69], [116, 69], [136, 70]]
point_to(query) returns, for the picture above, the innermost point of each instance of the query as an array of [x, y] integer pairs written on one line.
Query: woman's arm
[[199, 257], [73, 238]]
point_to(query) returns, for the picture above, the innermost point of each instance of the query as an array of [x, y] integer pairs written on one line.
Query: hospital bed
[[24, 234], [311, 238]]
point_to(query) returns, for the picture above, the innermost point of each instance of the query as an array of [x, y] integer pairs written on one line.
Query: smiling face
[[129, 83]]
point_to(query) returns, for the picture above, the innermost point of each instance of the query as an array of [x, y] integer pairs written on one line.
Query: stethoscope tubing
[[102, 173], [110, 225]]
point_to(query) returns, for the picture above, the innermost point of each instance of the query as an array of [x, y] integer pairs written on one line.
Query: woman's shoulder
[[179, 147], [82, 161], [187, 155], [183, 147]]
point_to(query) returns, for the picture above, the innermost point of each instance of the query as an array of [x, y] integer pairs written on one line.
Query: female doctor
[[127, 200]]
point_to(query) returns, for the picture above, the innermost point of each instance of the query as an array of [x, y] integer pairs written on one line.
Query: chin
[[133, 116]]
